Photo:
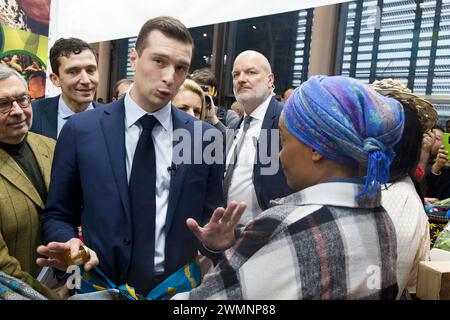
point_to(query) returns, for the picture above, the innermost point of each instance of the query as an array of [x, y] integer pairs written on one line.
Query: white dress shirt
[[162, 139], [241, 186], [64, 113]]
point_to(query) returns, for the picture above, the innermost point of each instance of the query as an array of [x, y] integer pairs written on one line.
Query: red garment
[[80, 234], [420, 174]]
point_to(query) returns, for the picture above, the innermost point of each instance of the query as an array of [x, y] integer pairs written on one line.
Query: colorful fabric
[[347, 122], [309, 247], [14, 289], [184, 279], [437, 224]]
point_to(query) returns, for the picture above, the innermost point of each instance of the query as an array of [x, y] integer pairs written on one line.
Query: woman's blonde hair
[[195, 88]]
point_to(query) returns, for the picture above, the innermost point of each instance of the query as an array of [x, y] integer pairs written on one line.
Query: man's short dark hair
[[169, 26], [204, 77], [65, 47], [438, 128], [118, 83]]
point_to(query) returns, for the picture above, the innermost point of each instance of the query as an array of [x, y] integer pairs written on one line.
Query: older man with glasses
[[25, 163]]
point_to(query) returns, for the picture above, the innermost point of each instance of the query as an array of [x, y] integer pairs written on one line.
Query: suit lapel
[[50, 118], [267, 125], [11, 171], [43, 155], [269, 117], [177, 178], [113, 125]]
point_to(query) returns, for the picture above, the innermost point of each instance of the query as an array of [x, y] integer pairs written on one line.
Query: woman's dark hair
[[407, 150]]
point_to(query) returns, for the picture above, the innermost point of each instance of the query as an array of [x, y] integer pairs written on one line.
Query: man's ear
[[271, 79], [315, 156], [133, 58], [55, 80]]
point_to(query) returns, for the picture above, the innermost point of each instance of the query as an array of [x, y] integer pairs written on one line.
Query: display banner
[[24, 26]]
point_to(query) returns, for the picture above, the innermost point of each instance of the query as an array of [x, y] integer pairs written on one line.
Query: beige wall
[[104, 58], [323, 40]]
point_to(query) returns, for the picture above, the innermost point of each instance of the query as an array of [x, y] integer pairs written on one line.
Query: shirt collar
[[260, 111], [133, 112], [129, 89], [341, 194], [65, 112]]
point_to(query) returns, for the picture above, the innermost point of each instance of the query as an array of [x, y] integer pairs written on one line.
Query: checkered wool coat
[[318, 243]]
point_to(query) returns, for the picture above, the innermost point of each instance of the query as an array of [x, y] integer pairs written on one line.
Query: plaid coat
[[318, 243]]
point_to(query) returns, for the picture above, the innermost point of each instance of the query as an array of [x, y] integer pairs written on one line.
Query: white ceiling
[[102, 20]]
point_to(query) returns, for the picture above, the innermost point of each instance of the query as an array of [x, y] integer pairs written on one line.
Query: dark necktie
[[233, 159], [142, 187]]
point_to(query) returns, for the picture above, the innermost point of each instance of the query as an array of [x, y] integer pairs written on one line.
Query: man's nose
[[84, 77], [15, 108], [169, 75], [241, 77]]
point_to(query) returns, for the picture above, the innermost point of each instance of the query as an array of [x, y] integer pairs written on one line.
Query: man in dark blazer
[[100, 195], [74, 70], [254, 174]]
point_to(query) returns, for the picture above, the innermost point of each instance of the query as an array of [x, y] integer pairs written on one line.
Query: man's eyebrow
[[184, 64], [159, 54], [72, 68], [24, 93]]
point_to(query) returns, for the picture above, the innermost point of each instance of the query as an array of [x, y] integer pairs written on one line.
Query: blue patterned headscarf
[[348, 122]]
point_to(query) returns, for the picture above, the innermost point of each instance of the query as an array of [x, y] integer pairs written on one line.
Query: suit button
[[126, 241]]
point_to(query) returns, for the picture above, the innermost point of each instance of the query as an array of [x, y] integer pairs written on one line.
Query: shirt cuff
[[437, 174], [212, 251]]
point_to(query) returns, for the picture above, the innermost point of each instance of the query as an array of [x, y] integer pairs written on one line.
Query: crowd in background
[[319, 193]]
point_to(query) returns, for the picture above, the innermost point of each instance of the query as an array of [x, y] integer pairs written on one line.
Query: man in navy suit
[[101, 195], [254, 174], [74, 66]]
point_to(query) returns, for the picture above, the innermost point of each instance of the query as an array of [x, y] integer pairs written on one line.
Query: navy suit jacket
[[89, 188], [267, 187], [45, 116]]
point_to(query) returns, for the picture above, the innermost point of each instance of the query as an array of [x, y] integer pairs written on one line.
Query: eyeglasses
[[6, 104]]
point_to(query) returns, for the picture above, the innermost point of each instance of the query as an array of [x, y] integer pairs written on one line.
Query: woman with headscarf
[[331, 239], [401, 197]]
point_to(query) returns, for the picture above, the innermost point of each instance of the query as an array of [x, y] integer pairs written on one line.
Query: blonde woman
[[191, 99]]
